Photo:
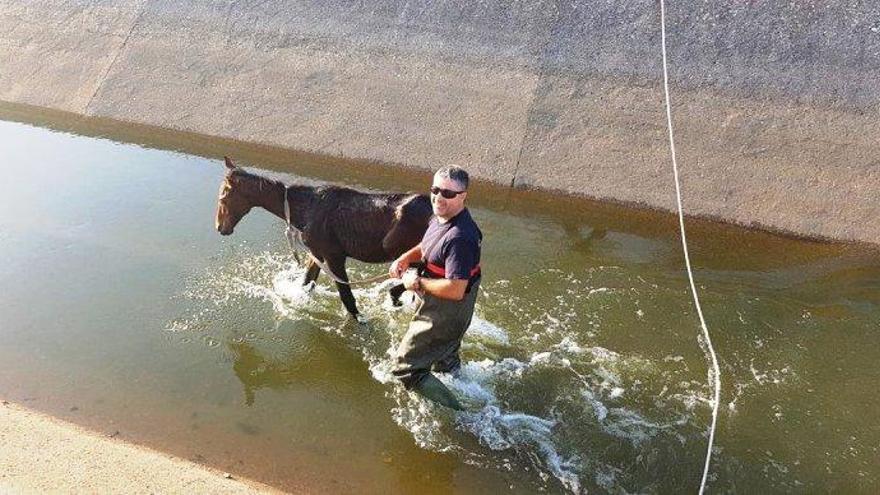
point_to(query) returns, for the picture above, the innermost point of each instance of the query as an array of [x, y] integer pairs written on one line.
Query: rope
[[714, 372], [294, 239]]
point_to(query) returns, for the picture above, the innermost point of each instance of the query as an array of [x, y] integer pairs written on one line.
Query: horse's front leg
[[311, 274], [337, 266]]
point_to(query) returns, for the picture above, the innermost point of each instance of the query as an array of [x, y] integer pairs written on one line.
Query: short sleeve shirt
[[453, 246]]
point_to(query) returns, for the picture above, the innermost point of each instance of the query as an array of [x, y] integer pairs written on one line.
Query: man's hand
[[401, 264], [398, 267]]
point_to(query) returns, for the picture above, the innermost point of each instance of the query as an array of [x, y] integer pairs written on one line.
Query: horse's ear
[[229, 164]]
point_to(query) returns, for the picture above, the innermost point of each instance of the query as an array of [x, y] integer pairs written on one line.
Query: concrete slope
[[775, 104], [43, 455]]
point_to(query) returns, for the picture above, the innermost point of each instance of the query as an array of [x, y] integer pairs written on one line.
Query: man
[[448, 284]]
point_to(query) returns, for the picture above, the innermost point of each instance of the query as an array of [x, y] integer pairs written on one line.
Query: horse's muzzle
[[224, 230]]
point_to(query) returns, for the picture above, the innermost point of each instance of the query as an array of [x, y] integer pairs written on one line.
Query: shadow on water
[[307, 363]]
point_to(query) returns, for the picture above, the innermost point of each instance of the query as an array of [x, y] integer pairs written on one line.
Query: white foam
[[501, 431], [264, 293], [598, 407], [606, 477], [422, 420], [483, 329]]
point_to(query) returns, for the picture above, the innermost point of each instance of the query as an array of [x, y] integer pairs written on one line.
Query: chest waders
[[432, 342], [434, 336]]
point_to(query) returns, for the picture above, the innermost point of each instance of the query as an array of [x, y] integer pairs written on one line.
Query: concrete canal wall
[[775, 103]]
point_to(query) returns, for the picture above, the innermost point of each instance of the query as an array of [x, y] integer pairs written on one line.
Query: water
[[124, 310]]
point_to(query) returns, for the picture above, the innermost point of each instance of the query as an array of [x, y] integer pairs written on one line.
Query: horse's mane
[[321, 190], [257, 183], [262, 182], [240, 172]]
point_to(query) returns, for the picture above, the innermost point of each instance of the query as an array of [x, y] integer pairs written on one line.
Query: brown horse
[[336, 222]]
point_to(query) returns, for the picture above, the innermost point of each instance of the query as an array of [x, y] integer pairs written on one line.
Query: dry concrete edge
[[41, 454]]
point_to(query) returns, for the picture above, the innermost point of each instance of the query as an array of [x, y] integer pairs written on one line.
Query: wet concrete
[[774, 105]]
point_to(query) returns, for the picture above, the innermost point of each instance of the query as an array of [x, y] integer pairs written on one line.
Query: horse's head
[[232, 204]]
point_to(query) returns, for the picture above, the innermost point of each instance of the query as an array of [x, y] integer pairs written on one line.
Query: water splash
[[596, 392]]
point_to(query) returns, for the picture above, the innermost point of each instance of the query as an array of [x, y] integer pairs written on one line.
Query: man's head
[[449, 191]]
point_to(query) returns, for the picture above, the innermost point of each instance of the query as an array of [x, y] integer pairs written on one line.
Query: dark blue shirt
[[453, 247]]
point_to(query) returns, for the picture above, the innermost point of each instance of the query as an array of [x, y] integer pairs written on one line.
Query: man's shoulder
[[465, 221], [465, 232], [462, 234], [470, 226]]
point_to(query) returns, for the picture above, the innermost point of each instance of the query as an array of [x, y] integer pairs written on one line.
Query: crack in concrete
[[522, 143], [100, 85], [541, 70]]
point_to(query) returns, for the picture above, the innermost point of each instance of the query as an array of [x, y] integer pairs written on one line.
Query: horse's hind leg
[[337, 266], [311, 274], [396, 291]]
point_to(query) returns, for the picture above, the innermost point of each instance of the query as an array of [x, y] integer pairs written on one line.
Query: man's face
[[443, 207]]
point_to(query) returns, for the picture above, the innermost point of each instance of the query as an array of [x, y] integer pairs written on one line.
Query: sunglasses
[[446, 193]]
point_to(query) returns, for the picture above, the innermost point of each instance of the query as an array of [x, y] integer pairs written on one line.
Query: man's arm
[[453, 288], [460, 260], [443, 288]]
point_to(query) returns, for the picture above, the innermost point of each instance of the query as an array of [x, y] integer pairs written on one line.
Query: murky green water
[[123, 310]]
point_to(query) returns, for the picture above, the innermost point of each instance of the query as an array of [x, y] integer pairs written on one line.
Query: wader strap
[[430, 270]]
